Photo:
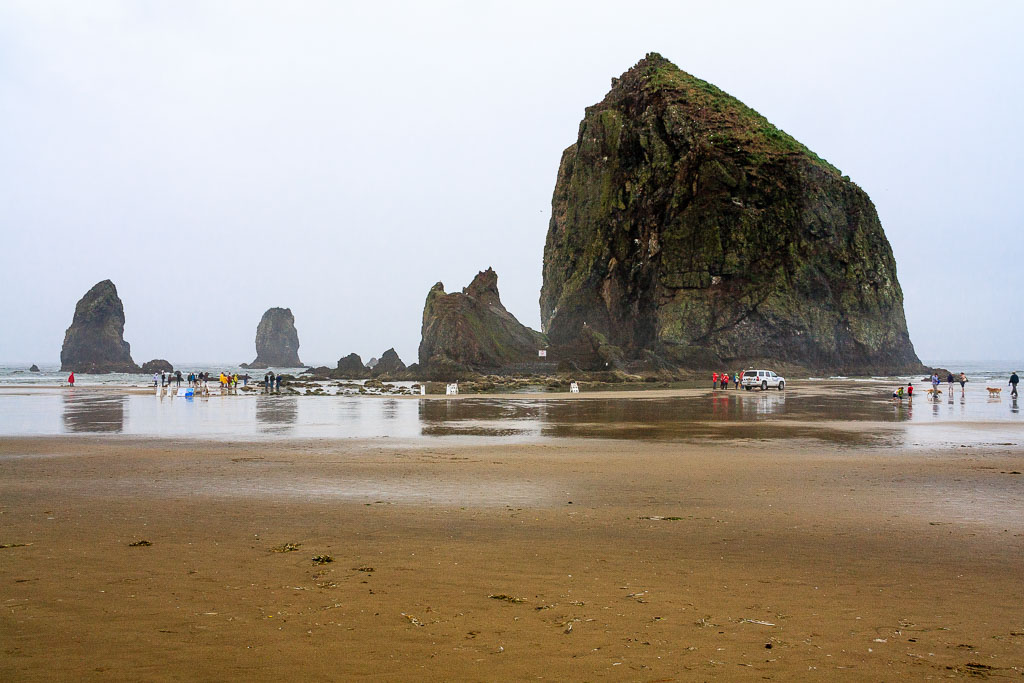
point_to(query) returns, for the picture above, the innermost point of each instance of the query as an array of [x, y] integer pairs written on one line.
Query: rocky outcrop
[[351, 367], [95, 341], [34, 368], [277, 341], [156, 365], [389, 366], [472, 330], [687, 229]]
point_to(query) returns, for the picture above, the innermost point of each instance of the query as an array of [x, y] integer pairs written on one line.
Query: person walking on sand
[[714, 380], [736, 379], [1014, 380], [910, 391], [71, 379], [963, 381], [156, 380], [949, 381], [935, 383]]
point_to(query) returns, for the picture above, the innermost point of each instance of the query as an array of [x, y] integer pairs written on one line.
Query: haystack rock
[[471, 330], [351, 367], [389, 365], [277, 341], [95, 341], [688, 229]]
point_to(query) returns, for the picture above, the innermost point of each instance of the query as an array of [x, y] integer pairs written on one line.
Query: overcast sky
[[215, 159]]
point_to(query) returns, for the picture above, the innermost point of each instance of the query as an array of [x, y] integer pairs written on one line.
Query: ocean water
[[50, 374]]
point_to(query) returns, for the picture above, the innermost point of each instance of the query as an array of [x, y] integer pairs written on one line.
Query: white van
[[763, 379]]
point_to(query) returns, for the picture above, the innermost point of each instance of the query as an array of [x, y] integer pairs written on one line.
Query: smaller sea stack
[[277, 341], [95, 341]]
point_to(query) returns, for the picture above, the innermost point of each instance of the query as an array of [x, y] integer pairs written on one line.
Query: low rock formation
[[688, 230], [277, 341], [351, 367], [95, 341], [389, 366], [34, 368], [156, 365], [472, 330]]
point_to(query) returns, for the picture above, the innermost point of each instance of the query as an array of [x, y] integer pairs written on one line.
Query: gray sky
[[215, 159]]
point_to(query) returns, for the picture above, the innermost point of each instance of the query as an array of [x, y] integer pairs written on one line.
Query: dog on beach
[[994, 392]]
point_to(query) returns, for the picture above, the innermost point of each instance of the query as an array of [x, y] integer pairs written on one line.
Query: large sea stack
[[277, 341], [472, 330], [95, 341], [687, 228]]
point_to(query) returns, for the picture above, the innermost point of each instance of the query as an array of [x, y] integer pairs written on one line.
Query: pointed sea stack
[[473, 331], [350, 367], [390, 366], [277, 341], [687, 228], [95, 341]]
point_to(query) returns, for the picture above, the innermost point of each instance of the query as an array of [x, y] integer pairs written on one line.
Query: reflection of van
[[763, 379]]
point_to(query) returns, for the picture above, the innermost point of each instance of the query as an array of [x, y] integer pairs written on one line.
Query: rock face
[[95, 341], [472, 330], [687, 228], [389, 365], [156, 365], [351, 367], [34, 368], [277, 341]]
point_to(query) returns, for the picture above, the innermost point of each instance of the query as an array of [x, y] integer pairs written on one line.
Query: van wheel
[[764, 385], [782, 385], [748, 388]]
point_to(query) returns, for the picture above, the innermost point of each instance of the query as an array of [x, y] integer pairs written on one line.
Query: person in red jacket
[[714, 380], [71, 379]]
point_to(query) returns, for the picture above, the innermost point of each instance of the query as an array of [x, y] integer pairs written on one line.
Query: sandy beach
[[564, 559]]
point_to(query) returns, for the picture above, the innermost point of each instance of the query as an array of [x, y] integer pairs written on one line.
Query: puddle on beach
[[845, 415]]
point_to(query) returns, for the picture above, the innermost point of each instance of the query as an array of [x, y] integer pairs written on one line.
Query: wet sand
[[653, 560]]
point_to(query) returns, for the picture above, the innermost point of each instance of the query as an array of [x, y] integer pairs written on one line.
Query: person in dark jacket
[[1014, 380]]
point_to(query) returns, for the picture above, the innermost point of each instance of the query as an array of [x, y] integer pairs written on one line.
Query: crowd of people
[[200, 381]]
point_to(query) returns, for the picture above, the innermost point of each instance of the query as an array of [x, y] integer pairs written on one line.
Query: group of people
[[898, 394], [200, 380], [721, 380]]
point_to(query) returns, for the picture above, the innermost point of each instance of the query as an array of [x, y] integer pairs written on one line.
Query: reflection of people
[[1014, 380], [71, 379]]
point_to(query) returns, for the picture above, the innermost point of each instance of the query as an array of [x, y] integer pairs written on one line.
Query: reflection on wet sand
[[86, 412], [276, 414], [739, 415], [848, 415]]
